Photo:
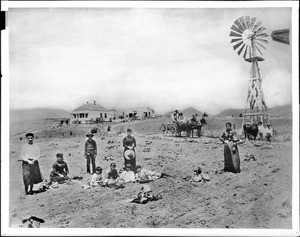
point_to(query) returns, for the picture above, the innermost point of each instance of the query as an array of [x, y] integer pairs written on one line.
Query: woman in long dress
[[231, 151], [129, 143], [30, 154]]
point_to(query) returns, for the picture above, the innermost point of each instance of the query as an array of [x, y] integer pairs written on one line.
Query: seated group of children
[[113, 178]]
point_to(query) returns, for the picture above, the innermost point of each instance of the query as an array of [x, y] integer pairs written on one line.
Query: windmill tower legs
[[256, 109]]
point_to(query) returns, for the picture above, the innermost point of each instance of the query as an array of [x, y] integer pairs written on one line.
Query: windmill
[[249, 40]]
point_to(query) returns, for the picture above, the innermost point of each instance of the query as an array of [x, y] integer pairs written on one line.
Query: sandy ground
[[258, 197]]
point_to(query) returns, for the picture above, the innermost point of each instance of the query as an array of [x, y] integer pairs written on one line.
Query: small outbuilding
[[140, 113]]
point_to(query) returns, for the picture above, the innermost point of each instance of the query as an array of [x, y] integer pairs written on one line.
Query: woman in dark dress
[[129, 143], [60, 170], [231, 152]]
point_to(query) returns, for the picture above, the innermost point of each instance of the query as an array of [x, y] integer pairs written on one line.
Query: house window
[[100, 115], [86, 115], [105, 115]]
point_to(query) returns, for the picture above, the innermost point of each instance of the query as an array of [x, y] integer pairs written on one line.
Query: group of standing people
[[30, 154]]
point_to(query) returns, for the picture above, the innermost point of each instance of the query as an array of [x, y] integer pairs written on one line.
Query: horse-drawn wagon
[[176, 129], [188, 127], [167, 128]]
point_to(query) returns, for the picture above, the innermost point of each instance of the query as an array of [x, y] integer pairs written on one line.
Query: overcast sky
[[161, 58]]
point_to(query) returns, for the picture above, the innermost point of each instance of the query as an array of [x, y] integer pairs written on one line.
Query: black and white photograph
[[163, 117]]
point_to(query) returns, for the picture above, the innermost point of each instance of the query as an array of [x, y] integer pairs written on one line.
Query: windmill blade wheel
[[247, 36]]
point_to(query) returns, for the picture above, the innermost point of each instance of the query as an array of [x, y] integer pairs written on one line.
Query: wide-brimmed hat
[[129, 154], [89, 134]]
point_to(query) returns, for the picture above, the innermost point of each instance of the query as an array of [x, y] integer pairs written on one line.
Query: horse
[[184, 127], [189, 126], [199, 124]]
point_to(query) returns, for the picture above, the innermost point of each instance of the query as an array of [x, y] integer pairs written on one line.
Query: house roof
[[90, 107]]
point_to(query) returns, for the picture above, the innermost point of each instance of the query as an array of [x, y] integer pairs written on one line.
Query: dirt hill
[[259, 197]]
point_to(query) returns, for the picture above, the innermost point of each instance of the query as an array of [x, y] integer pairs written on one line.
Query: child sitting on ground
[[111, 178], [60, 170], [97, 178], [127, 175]]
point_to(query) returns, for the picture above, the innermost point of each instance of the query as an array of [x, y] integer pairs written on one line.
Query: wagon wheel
[[163, 129], [173, 130]]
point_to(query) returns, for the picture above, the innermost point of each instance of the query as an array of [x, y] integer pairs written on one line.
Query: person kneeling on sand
[[144, 176], [127, 175], [60, 170], [97, 178], [199, 176], [268, 132]]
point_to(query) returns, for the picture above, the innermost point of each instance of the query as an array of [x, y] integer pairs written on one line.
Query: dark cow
[[250, 130]]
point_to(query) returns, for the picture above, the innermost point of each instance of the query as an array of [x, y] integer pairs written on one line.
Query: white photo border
[[6, 230]]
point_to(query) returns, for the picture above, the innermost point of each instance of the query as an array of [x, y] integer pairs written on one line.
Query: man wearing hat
[[129, 144], [90, 153], [194, 119], [175, 116], [30, 154]]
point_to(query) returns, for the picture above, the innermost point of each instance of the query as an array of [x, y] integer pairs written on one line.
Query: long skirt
[[31, 173], [132, 162], [231, 158]]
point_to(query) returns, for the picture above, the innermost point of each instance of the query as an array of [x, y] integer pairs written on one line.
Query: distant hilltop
[[284, 111], [188, 112], [40, 113]]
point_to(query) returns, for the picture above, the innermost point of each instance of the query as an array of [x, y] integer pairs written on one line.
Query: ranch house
[[140, 113], [91, 112]]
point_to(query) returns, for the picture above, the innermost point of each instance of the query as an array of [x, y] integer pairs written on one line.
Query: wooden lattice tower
[[248, 39]]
